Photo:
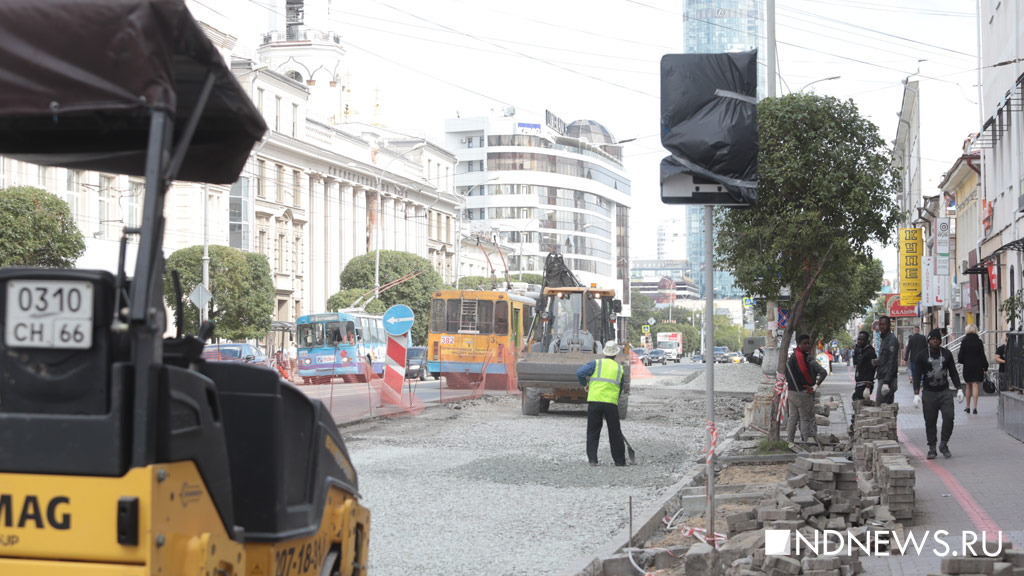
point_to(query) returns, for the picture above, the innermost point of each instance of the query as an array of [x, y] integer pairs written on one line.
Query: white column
[[317, 241], [387, 230], [361, 228], [348, 224], [332, 257]]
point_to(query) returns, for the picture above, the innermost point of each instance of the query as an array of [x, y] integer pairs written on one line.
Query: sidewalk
[[981, 488]]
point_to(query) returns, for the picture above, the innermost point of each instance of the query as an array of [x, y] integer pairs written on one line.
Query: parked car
[[416, 362], [697, 358], [235, 352], [656, 356], [735, 357]]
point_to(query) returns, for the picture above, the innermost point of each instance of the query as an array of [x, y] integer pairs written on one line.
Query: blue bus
[[346, 344]]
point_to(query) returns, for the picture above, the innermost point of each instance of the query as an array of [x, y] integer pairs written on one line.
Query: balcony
[[298, 33]]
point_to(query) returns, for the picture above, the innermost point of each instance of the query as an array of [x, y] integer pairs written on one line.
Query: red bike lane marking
[[979, 517]]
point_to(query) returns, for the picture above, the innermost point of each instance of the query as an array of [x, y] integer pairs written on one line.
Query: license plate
[[49, 314]]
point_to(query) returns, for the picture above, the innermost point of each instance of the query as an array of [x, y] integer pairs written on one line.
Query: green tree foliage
[[415, 293], [37, 229], [346, 298], [642, 308], [842, 291], [243, 292], [487, 283], [826, 188]]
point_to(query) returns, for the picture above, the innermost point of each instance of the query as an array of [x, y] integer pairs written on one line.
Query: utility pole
[[203, 312], [770, 360]]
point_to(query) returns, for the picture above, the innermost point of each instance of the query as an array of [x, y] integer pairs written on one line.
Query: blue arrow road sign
[[398, 320]]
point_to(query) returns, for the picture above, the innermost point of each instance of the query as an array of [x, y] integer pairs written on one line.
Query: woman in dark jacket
[[972, 356]]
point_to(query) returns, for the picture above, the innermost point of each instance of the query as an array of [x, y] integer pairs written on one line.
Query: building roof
[[592, 131]]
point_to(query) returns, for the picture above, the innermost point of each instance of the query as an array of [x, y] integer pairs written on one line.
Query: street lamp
[[816, 81], [458, 232], [380, 202]]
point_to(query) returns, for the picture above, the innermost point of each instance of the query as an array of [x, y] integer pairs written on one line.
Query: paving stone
[[740, 546], [702, 560], [961, 565]]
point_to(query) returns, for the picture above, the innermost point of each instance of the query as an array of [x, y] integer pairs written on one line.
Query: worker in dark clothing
[[915, 344], [931, 385], [864, 366], [603, 381], [803, 375], [888, 363]]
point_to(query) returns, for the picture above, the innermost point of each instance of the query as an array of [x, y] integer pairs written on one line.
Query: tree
[[843, 290], [415, 293], [826, 188], [242, 304], [641, 308], [37, 229], [346, 298]]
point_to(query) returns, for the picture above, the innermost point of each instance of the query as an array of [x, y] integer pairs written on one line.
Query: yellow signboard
[[911, 247]]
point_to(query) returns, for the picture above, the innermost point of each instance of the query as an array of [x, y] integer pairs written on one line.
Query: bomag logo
[[30, 512]]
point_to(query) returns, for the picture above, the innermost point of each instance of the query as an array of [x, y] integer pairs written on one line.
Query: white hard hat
[[611, 348]]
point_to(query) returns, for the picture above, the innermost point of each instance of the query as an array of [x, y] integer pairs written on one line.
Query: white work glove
[[885, 390], [917, 400], [960, 396]]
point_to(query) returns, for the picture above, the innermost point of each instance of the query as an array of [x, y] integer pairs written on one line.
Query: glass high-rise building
[[715, 26]]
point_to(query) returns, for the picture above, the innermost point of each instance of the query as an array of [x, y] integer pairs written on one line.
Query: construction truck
[[571, 324], [122, 452]]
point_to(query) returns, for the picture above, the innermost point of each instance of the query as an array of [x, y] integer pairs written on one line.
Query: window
[[437, 316], [277, 113], [485, 316], [73, 191], [311, 335], [43, 176], [501, 318], [295, 120], [453, 316], [469, 142], [259, 100], [131, 214], [238, 214], [481, 142], [279, 183], [296, 188], [298, 267], [105, 208], [280, 252], [261, 167], [261, 245], [448, 229]]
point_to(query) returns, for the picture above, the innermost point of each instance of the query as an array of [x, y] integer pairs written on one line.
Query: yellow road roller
[[121, 451]]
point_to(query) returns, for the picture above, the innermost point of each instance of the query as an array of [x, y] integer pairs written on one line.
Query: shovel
[[630, 452]]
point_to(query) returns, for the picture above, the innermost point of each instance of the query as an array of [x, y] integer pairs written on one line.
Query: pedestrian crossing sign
[[645, 329]]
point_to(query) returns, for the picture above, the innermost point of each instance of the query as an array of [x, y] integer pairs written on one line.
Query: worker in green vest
[[603, 381]]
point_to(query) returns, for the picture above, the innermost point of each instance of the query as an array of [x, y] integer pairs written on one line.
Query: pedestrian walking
[[864, 365], [603, 381], [934, 368], [803, 375], [915, 345], [1001, 361], [887, 364], [972, 357]]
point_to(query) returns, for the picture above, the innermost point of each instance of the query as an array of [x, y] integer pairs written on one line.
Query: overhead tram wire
[[505, 53], [798, 46], [871, 30], [534, 58], [891, 8], [448, 31]]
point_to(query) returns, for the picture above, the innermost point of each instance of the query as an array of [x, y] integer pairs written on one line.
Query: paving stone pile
[[1007, 562], [883, 468], [821, 493]]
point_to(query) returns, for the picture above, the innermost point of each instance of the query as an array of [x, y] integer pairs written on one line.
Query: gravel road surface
[[476, 488]]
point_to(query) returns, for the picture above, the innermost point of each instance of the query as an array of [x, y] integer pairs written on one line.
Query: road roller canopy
[[81, 79]]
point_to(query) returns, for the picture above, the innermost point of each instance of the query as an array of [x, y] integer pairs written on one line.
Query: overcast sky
[[423, 61]]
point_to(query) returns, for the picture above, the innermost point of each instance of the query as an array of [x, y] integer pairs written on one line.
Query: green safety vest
[[604, 382]]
